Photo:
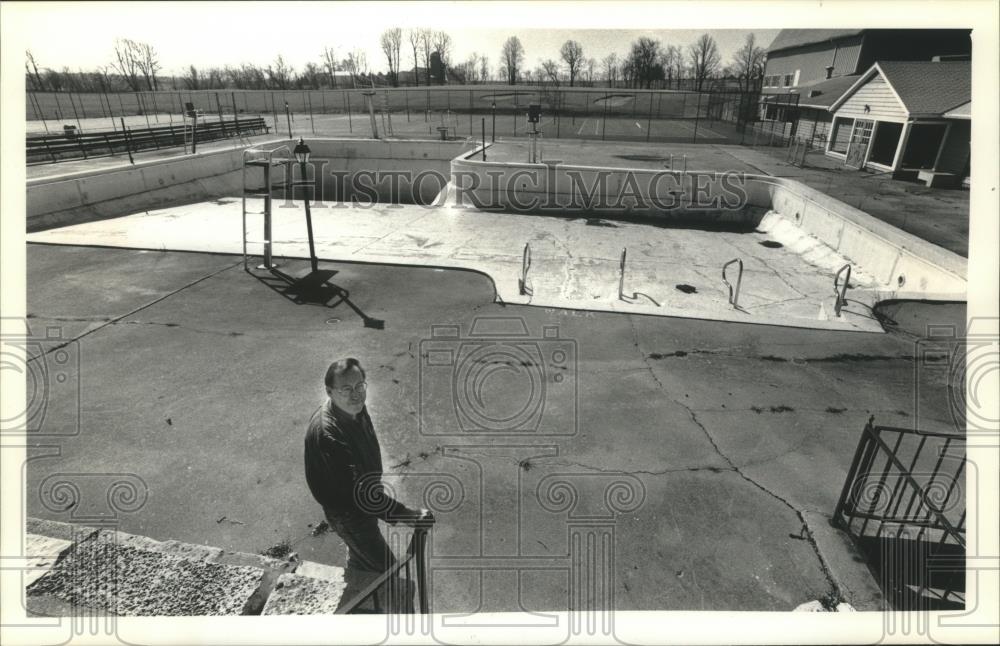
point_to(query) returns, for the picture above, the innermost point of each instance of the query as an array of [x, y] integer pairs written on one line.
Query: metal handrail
[[522, 282], [872, 446], [840, 291], [415, 552], [621, 275], [734, 294]]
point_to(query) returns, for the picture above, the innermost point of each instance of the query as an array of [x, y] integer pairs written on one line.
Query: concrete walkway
[[196, 381]]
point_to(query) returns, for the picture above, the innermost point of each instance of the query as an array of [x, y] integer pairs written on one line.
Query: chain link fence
[[671, 116]]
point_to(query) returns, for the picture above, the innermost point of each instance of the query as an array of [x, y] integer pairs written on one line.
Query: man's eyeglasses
[[359, 388]]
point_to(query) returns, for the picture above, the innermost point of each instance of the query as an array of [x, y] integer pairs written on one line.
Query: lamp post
[[302, 152]]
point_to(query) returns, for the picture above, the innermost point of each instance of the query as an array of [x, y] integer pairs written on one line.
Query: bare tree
[[590, 67], [246, 77], [672, 61], [748, 64], [97, 81], [126, 62], [191, 78], [53, 80], [443, 46], [90, 81], [610, 64], [311, 76], [704, 56], [216, 78], [414, 36], [149, 65], [391, 42], [357, 65], [280, 74], [330, 64], [572, 52], [642, 65], [512, 56], [427, 47], [31, 67], [549, 70], [470, 68], [484, 68]]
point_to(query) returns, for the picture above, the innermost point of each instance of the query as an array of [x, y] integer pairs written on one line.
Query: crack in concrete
[[835, 587], [546, 461], [645, 472], [230, 333], [840, 357], [116, 319], [70, 319]]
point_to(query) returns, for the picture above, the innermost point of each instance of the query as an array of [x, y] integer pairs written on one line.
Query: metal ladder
[[266, 160]]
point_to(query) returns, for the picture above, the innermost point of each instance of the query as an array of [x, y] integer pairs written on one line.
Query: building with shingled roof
[[807, 70], [910, 118]]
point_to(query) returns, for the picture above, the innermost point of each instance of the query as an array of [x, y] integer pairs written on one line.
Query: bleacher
[[83, 145]]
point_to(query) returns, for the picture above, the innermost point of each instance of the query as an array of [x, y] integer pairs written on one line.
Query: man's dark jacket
[[344, 465]]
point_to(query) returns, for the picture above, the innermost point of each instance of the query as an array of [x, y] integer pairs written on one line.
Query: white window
[[788, 80]]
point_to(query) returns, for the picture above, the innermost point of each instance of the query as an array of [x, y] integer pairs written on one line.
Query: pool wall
[[94, 195], [904, 265]]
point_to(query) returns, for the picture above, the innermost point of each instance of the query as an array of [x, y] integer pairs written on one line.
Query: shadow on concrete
[[313, 288], [916, 574]]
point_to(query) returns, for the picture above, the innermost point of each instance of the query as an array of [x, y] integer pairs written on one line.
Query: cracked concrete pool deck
[[734, 439], [574, 261]]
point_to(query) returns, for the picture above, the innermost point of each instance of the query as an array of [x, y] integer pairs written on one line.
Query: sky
[[207, 34]]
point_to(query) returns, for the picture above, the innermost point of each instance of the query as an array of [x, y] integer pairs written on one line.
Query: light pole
[[302, 152]]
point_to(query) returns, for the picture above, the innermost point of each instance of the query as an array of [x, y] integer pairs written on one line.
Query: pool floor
[[575, 263]]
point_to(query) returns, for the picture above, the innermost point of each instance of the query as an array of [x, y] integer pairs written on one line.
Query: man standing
[[344, 473]]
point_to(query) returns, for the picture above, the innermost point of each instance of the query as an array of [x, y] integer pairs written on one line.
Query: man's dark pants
[[369, 556]]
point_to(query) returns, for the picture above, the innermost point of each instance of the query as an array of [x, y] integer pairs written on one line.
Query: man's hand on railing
[[421, 518], [412, 517]]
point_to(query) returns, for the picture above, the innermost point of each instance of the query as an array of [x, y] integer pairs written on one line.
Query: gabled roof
[[824, 92], [925, 88], [963, 111], [788, 38]]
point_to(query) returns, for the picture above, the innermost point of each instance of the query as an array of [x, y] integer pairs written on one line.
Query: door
[[923, 145], [858, 147]]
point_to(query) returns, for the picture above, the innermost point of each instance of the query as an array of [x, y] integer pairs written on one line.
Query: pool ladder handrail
[[522, 282], [734, 294], [840, 291], [621, 275], [264, 158]]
